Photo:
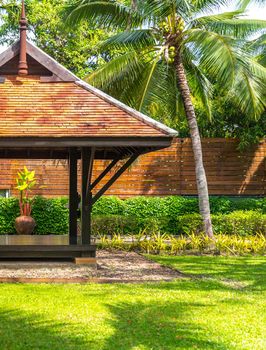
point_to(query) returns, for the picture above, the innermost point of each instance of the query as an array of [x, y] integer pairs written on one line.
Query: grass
[[220, 305]]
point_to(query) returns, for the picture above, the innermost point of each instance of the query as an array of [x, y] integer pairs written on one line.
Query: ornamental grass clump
[[187, 244]]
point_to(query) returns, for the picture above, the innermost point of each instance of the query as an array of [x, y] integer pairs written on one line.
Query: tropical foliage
[[195, 243], [72, 47], [26, 181], [213, 48], [171, 51]]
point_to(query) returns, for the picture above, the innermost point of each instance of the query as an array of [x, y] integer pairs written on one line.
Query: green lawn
[[220, 306]]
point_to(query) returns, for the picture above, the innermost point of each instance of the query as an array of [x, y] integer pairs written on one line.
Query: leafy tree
[[70, 47], [170, 51], [227, 122]]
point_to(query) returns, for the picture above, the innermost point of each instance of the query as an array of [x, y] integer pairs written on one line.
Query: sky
[[253, 11], [256, 12]]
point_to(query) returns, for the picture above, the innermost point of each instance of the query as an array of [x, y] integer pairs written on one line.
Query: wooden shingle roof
[[31, 108], [55, 103]]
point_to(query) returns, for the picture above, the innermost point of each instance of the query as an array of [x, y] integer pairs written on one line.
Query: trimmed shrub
[[123, 225], [173, 214], [257, 204], [51, 215], [9, 211], [109, 206], [241, 223], [145, 207], [188, 223], [113, 225]]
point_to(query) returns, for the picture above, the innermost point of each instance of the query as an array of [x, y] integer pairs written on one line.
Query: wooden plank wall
[[167, 172]]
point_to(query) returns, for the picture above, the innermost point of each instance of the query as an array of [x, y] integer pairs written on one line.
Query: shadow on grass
[[20, 331], [160, 326], [246, 273], [133, 325]]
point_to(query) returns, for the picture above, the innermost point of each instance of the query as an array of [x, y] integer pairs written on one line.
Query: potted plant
[[26, 181]]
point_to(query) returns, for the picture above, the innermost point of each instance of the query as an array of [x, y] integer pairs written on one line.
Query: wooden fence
[[167, 172]]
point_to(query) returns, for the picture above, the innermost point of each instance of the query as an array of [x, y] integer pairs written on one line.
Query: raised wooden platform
[[47, 251], [34, 240], [43, 247]]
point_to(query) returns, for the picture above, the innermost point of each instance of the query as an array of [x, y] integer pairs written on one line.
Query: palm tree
[[167, 51]]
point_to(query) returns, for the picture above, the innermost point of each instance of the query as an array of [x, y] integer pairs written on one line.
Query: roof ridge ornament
[[23, 65]]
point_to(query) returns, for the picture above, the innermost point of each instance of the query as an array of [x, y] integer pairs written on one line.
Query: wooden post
[[73, 198], [87, 157]]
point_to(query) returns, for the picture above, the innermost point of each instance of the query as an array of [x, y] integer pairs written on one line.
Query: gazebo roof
[[43, 106], [52, 102]]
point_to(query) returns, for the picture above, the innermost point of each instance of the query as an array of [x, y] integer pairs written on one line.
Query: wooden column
[[73, 198], [87, 157]]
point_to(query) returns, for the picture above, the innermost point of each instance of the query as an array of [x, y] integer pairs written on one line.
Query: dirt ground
[[112, 267]]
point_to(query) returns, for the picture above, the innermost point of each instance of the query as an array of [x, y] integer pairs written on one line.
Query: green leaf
[[215, 53], [104, 13]]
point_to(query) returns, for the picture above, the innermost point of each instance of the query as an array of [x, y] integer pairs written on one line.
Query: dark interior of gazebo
[[48, 113]]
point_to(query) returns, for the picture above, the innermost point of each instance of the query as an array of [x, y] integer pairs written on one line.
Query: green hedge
[[51, 215], [111, 214], [241, 223], [9, 210], [172, 206]]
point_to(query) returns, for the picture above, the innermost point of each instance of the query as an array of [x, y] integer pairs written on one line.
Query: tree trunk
[[202, 185], [134, 4]]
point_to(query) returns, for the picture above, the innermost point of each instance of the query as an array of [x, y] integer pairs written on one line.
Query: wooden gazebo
[[46, 112]]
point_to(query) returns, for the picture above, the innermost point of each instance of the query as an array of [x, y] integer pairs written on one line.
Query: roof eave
[[138, 115]]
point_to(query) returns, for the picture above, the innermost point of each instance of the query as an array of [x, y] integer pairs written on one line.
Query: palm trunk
[[201, 179], [133, 5]]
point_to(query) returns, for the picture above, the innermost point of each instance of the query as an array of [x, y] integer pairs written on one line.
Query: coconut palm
[[167, 51]]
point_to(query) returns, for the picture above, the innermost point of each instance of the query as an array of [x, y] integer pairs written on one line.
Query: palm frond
[[148, 81], [163, 100], [103, 13], [202, 20], [201, 6], [107, 74], [231, 24], [257, 49], [161, 9], [135, 39], [244, 3], [249, 94], [214, 53], [249, 88], [201, 88]]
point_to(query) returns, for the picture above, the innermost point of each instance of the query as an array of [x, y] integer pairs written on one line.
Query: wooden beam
[[55, 153], [9, 53], [73, 197], [105, 172], [87, 158], [114, 177], [103, 142]]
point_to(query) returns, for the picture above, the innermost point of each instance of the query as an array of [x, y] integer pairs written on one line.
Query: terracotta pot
[[24, 225]]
